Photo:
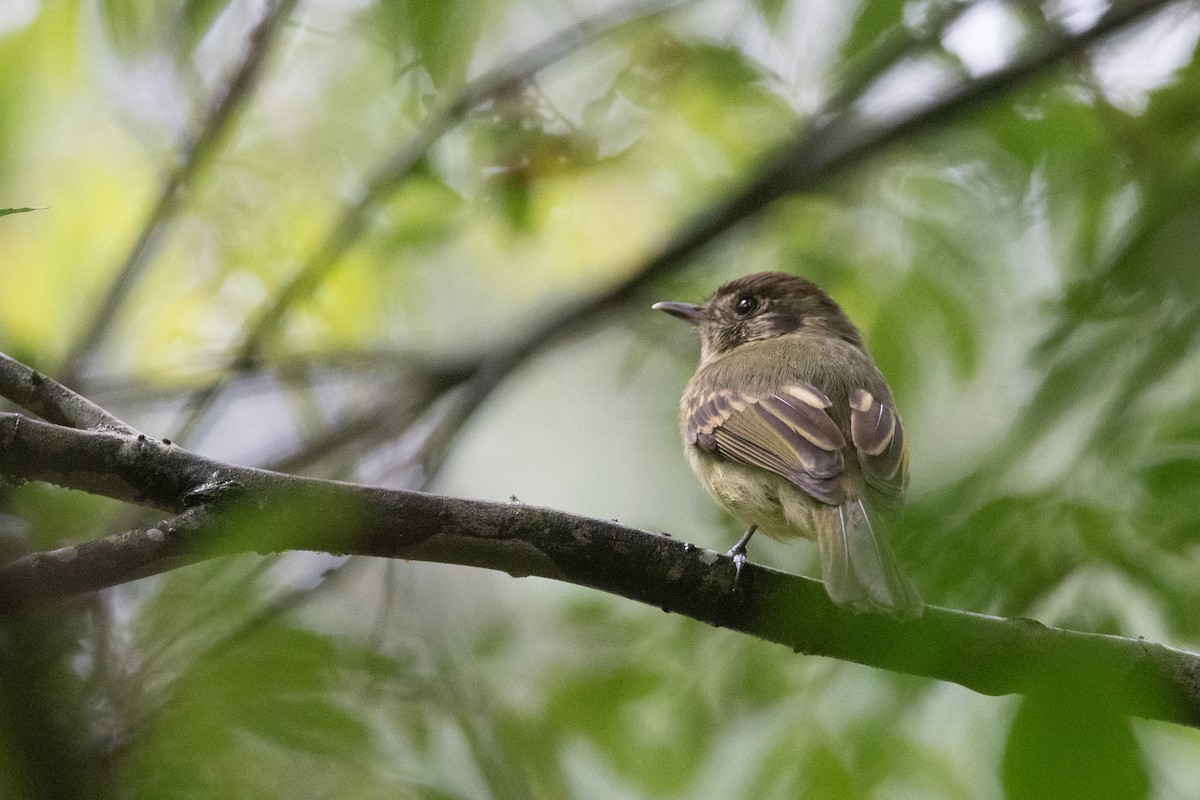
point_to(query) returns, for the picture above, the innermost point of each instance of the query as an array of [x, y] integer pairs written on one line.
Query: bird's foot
[[738, 551]]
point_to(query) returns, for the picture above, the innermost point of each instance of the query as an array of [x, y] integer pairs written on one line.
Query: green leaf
[[4, 212], [1163, 257], [957, 325], [1057, 132], [1169, 119], [510, 191], [423, 211], [441, 33], [947, 330], [772, 10], [1068, 748], [1173, 477], [197, 606], [196, 18], [132, 26], [1076, 372], [136, 28], [280, 683], [875, 18]]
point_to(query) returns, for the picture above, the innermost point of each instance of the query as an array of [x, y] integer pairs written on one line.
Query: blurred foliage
[[1026, 274], [1072, 752]]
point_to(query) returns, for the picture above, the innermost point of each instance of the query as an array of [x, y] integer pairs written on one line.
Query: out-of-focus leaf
[[828, 775], [196, 17], [1011, 550], [595, 706], [442, 34], [196, 607], [923, 321], [179, 25], [423, 213], [517, 143], [1048, 121], [281, 684], [1075, 376], [4, 212], [1069, 748], [1057, 132], [57, 516], [132, 25], [771, 10], [701, 95], [875, 18], [1170, 122], [510, 192], [1172, 513], [44, 728], [1162, 258], [654, 731]]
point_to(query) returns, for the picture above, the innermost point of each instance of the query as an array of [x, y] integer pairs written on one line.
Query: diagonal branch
[[832, 144], [224, 509], [391, 174], [890, 50], [226, 105], [52, 401]]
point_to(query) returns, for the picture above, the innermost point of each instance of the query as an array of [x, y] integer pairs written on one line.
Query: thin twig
[[196, 153], [829, 146], [889, 50], [389, 176]]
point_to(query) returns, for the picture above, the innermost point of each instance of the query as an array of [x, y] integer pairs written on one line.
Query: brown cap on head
[[762, 306]]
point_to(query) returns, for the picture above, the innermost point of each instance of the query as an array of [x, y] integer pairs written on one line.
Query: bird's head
[[763, 306]]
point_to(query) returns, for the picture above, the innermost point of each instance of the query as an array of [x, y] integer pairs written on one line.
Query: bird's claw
[[739, 560], [738, 551]]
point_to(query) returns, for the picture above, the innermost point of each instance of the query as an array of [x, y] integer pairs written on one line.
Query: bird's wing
[[787, 432], [878, 437]]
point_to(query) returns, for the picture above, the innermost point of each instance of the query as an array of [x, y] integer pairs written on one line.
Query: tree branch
[[392, 174], [834, 142], [52, 401], [219, 508], [226, 104], [223, 508]]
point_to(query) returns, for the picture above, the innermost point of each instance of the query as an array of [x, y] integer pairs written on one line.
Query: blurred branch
[[390, 175], [834, 142], [223, 509], [491, 369], [387, 417], [889, 49], [226, 105]]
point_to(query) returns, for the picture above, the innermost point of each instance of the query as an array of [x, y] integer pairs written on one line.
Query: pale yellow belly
[[755, 496]]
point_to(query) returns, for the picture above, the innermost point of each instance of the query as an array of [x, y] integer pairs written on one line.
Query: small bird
[[791, 427]]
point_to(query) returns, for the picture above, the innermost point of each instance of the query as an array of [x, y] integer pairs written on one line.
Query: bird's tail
[[859, 568]]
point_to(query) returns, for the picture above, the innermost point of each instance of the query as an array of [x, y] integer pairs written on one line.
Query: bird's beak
[[688, 312]]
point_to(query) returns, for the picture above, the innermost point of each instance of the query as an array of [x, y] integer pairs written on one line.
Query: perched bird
[[791, 427]]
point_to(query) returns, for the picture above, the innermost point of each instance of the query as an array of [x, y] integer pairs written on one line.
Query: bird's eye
[[746, 305]]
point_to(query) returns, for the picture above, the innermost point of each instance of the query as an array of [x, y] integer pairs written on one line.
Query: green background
[[1027, 274]]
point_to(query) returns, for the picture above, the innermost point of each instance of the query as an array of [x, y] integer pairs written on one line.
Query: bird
[[791, 427]]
